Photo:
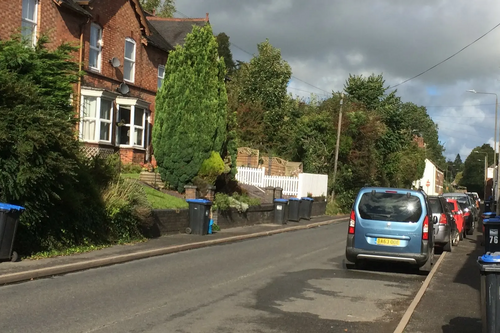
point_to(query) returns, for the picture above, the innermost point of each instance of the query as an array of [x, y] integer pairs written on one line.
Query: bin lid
[[490, 214], [199, 201], [495, 219], [307, 198], [5, 207], [493, 258], [281, 200], [294, 199]]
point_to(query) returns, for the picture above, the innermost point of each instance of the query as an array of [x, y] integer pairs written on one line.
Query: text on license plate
[[387, 241]]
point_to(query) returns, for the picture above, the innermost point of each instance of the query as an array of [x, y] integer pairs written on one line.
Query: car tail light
[[442, 219], [352, 223], [425, 229]]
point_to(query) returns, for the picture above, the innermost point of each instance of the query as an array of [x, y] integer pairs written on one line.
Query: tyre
[[427, 267], [470, 231], [448, 247], [461, 235], [188, 230], [15, 257]]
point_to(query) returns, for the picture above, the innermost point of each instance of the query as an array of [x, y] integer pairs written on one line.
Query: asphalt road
[[291, 282]]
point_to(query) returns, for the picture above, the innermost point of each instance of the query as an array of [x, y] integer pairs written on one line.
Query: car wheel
[[461, 235], [448, 246], [470, 231], [427, 267]]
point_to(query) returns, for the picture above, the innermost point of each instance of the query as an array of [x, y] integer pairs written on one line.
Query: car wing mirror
[[434, 219]]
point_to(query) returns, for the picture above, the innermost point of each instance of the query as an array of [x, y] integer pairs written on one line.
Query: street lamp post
[[497, 183]]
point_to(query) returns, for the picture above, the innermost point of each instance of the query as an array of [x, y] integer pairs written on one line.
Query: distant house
[[123, 51], [433, 179]]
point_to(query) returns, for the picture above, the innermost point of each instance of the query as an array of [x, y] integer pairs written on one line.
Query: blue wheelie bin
[[199, 216], [293, 209], [306, 208], [280, 211], [491, 228], [9, 218], [489, 266]]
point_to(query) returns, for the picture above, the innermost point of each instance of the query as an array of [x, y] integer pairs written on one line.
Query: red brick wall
[[11, 17]]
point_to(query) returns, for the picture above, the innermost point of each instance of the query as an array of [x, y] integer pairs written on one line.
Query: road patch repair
[[59, 269]]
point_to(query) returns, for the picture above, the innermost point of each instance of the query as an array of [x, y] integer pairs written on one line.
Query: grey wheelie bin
[[199, 216], [9, 218], [306, 208], [489, 266], [280, 211], [293, 209], [491, 234]]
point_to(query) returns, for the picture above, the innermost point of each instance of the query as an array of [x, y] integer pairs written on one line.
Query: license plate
[[388, 242]]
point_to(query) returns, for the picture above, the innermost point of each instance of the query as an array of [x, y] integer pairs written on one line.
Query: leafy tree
[[191, 109], [225, 52], [367, 90], [458, 165], [267, 78], [473, 168], [41, 167], [162, 8]]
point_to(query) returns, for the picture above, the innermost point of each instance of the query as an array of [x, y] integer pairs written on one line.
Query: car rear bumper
[[354, 254], [442, 233]]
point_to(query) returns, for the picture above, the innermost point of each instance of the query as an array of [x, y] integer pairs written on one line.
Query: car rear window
[[390, 207], [451, 206], [436, 207]]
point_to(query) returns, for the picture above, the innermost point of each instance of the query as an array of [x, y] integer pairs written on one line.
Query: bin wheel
[[188, 230], [15, 256]]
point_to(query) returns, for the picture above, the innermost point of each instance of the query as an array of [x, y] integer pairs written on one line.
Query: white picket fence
[[294, 186]]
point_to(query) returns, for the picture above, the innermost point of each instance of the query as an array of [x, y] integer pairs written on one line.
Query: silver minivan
[[445, 230]]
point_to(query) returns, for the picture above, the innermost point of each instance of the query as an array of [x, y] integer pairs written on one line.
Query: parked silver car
[[446, 233]]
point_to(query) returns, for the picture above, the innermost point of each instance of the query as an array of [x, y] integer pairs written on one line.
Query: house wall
[[435, 178]]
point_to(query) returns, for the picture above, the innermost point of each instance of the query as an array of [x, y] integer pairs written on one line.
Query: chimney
[[206, 17], [154, 11]]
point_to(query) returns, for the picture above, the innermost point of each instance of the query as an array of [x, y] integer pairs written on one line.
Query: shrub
[[240, 202], [131, 168], [126, 207], [211, 168]]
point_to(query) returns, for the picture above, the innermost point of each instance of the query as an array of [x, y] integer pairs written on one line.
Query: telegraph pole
[[338, 143]]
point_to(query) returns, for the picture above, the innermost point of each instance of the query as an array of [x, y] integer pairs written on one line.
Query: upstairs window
[[161, 75], [95, 47], [129, 60], [29, 20]]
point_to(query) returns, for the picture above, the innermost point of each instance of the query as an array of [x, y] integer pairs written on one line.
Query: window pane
[[123, 135], [129, 50], [106, 109], [29, 8], [88, 130], [124, 116], [138, 137], [435, 206], [139, 117], [93, 58], [105, 131], [160, 82], [89, 107], [382, 206], [94, 35], [27, 30], [161, 72], [128, 70]]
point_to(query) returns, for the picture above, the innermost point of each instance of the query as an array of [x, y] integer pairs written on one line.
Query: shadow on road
[[463, 325], [469, 272]]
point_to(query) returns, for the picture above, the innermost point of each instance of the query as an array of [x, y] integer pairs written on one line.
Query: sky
[[326, 40]]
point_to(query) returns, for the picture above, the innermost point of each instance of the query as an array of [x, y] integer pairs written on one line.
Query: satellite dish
[[115, 62], [123, 89]]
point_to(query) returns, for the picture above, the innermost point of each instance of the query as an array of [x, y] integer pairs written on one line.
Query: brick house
[[123, 56]]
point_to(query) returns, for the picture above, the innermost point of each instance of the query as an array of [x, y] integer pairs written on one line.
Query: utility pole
[[338, 144], [485, 174]]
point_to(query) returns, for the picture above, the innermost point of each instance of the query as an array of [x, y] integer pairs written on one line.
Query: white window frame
[[133, 103], [33, 23], [131, 60], [160, 77], [97, 48], [100, 95]]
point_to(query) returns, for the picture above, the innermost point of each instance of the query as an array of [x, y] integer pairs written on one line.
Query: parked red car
[[458, 214]]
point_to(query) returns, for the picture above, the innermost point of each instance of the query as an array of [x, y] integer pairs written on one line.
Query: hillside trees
[[191, 109]]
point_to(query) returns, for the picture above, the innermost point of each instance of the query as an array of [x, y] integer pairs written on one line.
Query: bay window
[[131, 123], [95, 119]]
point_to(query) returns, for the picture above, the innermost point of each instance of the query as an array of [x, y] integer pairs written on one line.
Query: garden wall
[[174, 221]]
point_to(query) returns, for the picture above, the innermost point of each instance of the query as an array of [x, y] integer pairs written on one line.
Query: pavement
[[14, 272], [451, 303]]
